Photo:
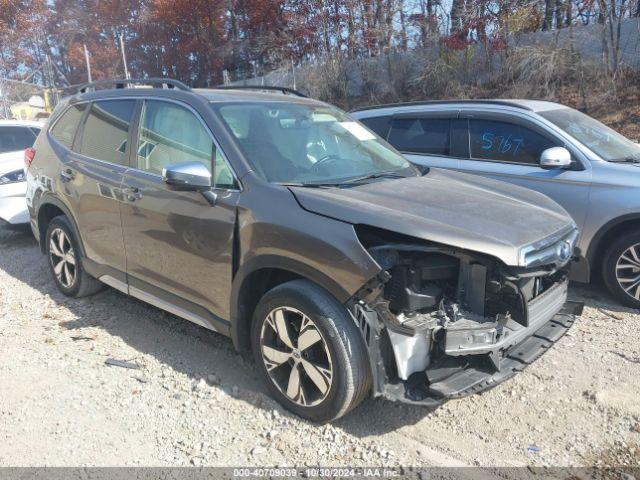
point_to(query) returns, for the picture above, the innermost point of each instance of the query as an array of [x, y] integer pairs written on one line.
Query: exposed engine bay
[[443, 321]]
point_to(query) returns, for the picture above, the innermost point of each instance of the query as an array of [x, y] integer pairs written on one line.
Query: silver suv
[[585, 166], [283, 223]]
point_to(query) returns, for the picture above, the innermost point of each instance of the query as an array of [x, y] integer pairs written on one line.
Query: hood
[[452, 208]]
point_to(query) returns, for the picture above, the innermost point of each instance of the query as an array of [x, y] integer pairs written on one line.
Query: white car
[[15, 137]]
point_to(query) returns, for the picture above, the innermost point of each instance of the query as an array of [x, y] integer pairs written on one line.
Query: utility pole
[[50, 79], [124, 58], [293, 73], [3, 95], [86, 58]]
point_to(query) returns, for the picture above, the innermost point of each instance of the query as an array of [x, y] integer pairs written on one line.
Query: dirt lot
[[194, 401]]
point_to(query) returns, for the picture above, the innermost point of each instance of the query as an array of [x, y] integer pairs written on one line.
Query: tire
[[621, 253], [72, 280], [338, 345]]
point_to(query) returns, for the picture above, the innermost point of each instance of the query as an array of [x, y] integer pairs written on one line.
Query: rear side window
[[379, 125], [106, 130], [15, 138], [65, 128], [506, 142], [421, 135]]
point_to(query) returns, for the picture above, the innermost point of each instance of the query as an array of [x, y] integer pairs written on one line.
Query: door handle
[[132, 193], [67, 175]]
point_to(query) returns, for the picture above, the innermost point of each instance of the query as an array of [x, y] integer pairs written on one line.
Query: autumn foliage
[[196, 40]]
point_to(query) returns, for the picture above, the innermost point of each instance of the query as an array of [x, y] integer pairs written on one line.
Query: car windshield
[[303, 144], [604, 141]]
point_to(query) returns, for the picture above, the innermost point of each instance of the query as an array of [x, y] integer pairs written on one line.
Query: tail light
[[29, 155]]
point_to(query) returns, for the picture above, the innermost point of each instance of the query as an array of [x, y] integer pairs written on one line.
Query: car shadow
[[180, 345], [195, 351]]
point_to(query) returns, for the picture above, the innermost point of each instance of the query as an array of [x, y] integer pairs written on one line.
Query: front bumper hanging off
[[474, 379], [459, 374]]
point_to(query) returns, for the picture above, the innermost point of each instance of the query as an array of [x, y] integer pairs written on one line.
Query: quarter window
[[15, 138], [65, 128], [421, 135], [171, 134], [106, 130], [506, 142]]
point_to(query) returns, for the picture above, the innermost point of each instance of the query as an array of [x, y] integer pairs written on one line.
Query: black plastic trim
[[474, 378]]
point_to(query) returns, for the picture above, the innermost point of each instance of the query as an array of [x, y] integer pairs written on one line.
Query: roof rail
[[284, 90], [125, 82], [444, 102]]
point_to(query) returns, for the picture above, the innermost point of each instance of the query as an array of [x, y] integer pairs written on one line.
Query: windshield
[[308, 144], [602, 140]]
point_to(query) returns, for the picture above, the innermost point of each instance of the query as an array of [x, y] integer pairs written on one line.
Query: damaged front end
[[444, 323]]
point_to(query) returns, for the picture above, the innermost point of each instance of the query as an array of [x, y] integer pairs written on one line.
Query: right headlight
[[13, 177], [557, 249]]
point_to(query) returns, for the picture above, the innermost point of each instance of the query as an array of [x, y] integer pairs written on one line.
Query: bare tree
[[548, 15], [457, 17]]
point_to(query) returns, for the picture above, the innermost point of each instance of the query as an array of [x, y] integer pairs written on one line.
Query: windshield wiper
[[348, 182], [373, 176], [311, 185], [627, 159]]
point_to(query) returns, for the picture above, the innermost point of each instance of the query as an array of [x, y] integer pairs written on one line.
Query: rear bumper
[[13, 204], [459, 376]]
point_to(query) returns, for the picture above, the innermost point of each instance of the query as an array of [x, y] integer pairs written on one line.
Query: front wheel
[[309, 352], [621, 268]]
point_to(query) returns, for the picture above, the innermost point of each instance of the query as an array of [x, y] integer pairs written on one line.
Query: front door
[[509, 150], [179, 246]]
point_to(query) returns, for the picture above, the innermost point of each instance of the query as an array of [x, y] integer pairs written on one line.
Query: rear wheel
[[621, 268], [65, 261], [309, 352]]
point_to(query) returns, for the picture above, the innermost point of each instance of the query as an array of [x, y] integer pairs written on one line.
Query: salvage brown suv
[[283, 223]]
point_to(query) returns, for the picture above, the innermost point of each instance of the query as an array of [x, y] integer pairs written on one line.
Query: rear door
[[508, 148], [91, 178], [179, 247]]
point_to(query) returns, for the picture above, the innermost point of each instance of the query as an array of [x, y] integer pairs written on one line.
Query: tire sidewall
[[62, 223], [609, 267], [333, 404]]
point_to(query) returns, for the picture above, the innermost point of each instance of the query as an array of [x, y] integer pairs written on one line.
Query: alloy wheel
[[62, 257], [628, 271], [296, 356]]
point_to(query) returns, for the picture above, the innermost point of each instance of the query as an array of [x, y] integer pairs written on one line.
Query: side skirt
[[158, 298]]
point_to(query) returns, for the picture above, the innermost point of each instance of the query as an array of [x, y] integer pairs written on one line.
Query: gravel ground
[[194, 401]]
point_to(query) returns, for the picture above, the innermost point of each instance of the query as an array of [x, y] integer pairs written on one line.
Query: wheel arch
[[609, 231], [48, 209], [260, 275]]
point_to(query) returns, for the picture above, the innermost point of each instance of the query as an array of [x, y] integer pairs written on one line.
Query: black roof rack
[[284, 90], [125, 82], [439, 102]]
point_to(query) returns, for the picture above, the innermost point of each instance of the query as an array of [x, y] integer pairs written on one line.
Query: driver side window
[[170, 134], [506, 142]]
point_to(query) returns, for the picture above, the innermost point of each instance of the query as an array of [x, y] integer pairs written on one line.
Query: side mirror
[[187, 176], [556, 157]]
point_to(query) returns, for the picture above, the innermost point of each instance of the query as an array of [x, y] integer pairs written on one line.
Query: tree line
[[196, 40]]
